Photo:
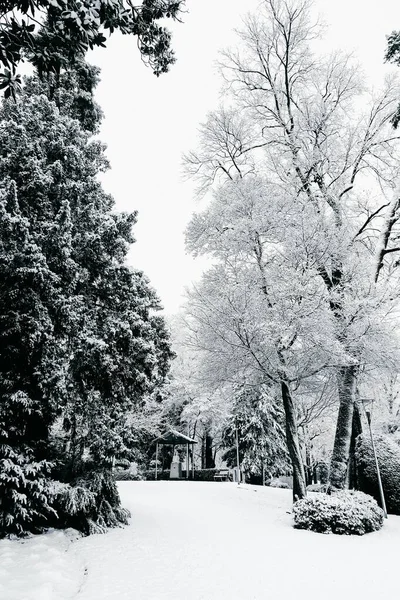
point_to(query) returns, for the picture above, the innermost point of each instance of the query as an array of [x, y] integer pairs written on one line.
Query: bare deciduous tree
[[327, 145]]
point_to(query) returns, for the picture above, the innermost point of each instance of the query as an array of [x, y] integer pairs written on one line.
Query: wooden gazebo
[[175, 438]]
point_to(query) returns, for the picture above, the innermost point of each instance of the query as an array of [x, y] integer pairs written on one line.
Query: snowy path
[[203, 541], [218, 541]]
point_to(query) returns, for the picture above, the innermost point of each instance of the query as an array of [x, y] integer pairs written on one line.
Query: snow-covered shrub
[[74, 505], [345, 512], [317, 487], [150, 475], [24, 493], [108, 505], [131, 473], [388, 454], [277, 483], [92, 505], [127, 475], [205, 474], [24, 484]]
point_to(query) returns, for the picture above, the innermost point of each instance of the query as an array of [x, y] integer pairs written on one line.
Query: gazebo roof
[[173, 437]]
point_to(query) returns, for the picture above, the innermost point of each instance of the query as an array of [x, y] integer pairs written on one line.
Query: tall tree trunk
[[309, 468], [356, 430], [292, 439], [346, 378], [307, 447], [210, 463], [203, 451]]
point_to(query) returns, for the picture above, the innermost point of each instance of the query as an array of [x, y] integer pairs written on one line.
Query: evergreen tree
[[81, 342], [258, 421]]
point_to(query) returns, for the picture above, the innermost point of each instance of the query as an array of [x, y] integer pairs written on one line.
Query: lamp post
[[237, 451], [368, 415]]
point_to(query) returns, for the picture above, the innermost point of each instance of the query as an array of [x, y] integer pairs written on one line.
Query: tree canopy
[[302, 225], [51, 34]]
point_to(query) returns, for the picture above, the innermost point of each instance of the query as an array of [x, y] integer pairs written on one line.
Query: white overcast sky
[[149, 122]]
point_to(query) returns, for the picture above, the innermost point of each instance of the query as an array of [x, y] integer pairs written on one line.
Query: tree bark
[[209, 459], [203, 451], [356, 430], [391, 217], [292, 439], [346, 379], [309, 468]]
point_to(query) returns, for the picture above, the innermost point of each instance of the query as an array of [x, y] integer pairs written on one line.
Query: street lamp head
[[368, 404], [367, 401]]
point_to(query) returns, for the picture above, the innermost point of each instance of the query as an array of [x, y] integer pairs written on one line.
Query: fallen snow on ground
[[42, 567], [203, 541]]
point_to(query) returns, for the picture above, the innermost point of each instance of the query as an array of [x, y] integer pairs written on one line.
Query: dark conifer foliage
[[393, 55], [81, 343], [258, 420]]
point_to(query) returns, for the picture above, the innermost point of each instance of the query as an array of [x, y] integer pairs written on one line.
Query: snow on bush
[[388, 454], [277, 483], [24, 480], [24, 493], [317, 487], [91, 505], [131, 473], [345, 512]]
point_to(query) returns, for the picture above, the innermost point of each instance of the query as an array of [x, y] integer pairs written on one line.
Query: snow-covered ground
[[203, 541], [43, 567]]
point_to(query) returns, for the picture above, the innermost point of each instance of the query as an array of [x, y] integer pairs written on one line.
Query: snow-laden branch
[[390, 219]]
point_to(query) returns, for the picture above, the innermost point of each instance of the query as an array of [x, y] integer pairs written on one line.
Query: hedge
[[149, 475], [388, 454]]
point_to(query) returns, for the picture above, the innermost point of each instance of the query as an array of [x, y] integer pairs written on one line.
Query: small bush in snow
[[317, 487], [388, 454], [345, 512], [92, 505], [149, 475], [205, 474], [132, 473], [127, 475], [277, 483]]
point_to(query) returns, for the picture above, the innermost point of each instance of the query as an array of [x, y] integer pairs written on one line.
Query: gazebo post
[[187, 460], [156, 458], [192, 462]]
